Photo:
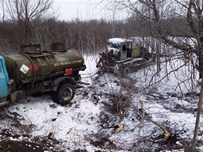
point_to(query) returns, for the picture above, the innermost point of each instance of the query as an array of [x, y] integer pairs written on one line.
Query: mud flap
[[17, 96]]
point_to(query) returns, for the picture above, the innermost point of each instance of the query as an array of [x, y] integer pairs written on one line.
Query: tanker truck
[[35, 71]]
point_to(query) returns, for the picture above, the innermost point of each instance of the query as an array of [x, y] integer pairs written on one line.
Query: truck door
[[3, 81]]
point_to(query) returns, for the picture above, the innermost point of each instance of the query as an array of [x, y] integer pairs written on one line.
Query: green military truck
[[35, 71]]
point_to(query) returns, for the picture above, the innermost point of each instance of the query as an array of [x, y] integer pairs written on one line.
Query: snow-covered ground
[[90, 121]]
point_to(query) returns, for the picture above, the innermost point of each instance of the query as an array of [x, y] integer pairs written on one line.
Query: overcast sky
[[82, 9]]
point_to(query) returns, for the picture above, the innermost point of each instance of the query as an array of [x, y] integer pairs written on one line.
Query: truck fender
[[56, 83]]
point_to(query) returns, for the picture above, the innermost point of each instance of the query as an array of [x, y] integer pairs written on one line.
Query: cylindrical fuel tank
[[24, 66]]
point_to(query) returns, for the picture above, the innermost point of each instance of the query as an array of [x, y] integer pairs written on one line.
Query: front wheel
[[64, 94]]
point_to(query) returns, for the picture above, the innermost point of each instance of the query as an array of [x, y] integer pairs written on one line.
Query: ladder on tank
[[46, 84]]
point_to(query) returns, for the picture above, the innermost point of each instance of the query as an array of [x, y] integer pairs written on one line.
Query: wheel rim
[[67, 94]]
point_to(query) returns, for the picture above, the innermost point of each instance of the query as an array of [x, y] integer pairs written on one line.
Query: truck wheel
[[54, 96], [65, 93]]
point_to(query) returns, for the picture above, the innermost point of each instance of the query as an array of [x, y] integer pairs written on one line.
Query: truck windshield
[[114, 45]]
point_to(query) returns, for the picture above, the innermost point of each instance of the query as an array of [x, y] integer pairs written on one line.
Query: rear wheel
[[64, 94], [54, 96]]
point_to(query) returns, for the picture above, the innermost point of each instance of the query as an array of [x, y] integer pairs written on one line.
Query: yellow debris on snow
[[166, 134], [119, 128]]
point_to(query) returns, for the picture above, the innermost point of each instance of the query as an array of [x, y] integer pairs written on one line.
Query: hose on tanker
[[28, 57]]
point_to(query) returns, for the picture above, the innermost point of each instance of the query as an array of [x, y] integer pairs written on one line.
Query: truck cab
[[124, 48], [4, 80], [120, 47]]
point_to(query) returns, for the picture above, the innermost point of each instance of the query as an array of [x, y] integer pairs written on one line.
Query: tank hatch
[[31, 49], [58, 47]]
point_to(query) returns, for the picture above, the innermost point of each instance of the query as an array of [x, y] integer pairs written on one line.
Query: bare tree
[[154, 12], [112, 8], [26, 11], [3, 10]]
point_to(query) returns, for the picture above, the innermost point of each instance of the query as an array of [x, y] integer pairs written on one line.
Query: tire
[[65, 93], [54, 96]]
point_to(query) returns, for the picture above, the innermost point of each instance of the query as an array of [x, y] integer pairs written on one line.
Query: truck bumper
[[4, 103]]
